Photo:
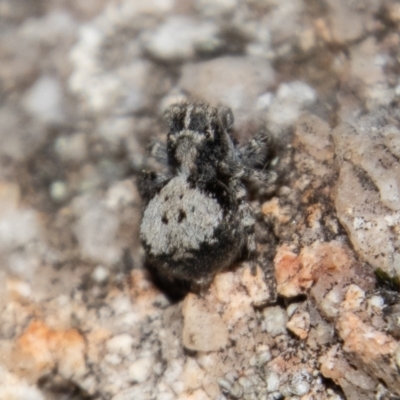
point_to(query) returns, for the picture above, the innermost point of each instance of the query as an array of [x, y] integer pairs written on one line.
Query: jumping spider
[[197, 219]]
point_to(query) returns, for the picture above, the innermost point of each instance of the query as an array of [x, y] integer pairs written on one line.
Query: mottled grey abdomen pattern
[[188, 235], [180, 219]]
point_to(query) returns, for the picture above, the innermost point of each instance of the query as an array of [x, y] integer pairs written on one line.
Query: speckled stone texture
[[83, 88]]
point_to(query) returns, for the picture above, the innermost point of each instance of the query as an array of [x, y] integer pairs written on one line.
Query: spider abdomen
[[188, 233]]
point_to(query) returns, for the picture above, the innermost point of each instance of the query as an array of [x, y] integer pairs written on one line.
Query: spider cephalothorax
[[197, 220]]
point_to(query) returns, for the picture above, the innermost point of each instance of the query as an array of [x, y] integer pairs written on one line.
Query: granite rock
[[367, 194]]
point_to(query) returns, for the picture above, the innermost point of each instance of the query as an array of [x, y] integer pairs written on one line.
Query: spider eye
[[208, 134]]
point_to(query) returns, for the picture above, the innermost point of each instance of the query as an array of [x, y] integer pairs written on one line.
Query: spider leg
[[257, 152], [226, 117], [250, 241], [159, 152], [260, 177], [150, 183], [247, 222]]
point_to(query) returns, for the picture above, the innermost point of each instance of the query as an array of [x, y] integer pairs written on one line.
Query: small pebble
[[224, 384], [291, 309], [397, 357], [377, 302], [71, 147], [140, 370], [299, 385], [120, 344], [264, 357], [100, 274], [275, 320], [59, 191], [236, 391], [273, 382], [232, 376], [246, 384], [44, 100]]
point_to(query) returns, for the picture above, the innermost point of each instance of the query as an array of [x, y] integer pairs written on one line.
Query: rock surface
[[84, 86], [368, 190]]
